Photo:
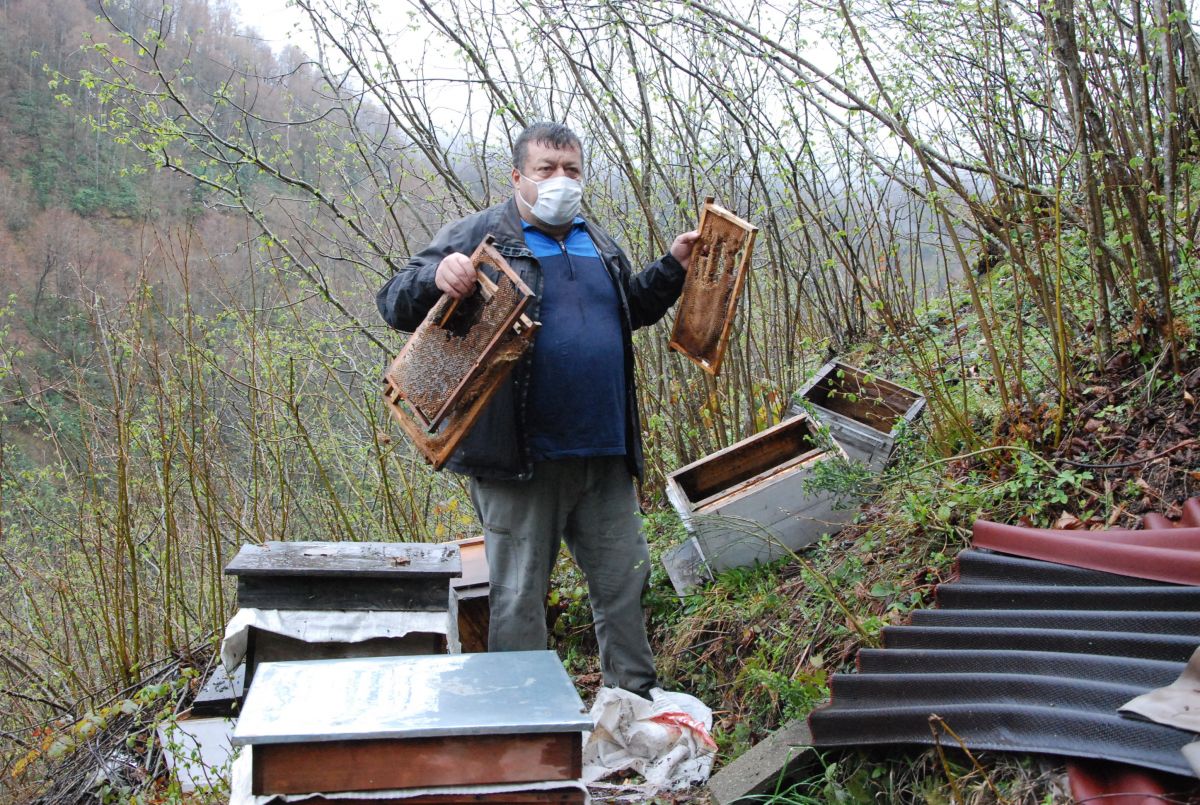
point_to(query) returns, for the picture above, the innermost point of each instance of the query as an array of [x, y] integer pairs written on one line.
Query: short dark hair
[[555, 135]]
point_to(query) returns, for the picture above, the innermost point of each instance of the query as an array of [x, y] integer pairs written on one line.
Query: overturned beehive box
[[748, 503], [864, 413], [452, 365], [708, 304]]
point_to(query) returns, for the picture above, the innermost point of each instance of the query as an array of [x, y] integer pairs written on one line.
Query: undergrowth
[[759, 644]]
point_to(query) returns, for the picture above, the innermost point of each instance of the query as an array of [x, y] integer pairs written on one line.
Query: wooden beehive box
[[452, 365], [379, 576], [747, 503], [412, 722], [707, 307], [864, 413], [371, 578]]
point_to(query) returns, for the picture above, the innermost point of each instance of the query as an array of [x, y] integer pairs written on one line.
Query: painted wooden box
[[864, 413], [412, 722], [747, 503], [302, 587]]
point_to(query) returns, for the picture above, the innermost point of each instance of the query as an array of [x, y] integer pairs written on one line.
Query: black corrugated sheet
[[1028, 656]]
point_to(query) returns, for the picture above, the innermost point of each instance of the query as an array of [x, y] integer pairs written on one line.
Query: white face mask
[[558, 199]]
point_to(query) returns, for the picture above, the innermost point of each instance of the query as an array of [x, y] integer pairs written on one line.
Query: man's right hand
[[455, 275]]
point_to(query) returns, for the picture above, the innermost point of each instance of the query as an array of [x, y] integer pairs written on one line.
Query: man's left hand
[[681, 249]]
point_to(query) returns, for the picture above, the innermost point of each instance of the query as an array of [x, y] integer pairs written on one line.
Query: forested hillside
[[993, 203]]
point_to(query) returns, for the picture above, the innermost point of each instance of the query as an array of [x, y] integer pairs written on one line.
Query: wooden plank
[[473, 553], [768, 767], [361, 560], [340, 593], [381, 764], [775, 474]]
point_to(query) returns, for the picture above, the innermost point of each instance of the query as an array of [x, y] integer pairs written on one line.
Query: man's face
[[544, 161]]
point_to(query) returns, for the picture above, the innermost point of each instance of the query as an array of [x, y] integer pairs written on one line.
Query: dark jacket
[[497, 446]]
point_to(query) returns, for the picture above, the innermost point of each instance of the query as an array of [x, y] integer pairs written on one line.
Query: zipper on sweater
[[562, 244]]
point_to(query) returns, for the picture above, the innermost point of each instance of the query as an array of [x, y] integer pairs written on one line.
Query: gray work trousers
[[592, 505]]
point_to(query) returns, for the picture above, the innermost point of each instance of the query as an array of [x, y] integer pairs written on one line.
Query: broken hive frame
[[452, 365], [720, 260]]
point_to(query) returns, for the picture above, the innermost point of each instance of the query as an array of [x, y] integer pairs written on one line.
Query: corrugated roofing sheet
[[1163, 554], [1032, 656]]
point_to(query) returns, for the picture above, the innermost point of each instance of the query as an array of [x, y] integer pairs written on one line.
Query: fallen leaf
[[1068, 521], [1188, 398]]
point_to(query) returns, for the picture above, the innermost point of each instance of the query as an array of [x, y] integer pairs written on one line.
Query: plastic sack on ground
[[666, 740]]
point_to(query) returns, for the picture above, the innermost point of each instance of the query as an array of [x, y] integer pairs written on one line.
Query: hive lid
[[512, 692], [358, 559]]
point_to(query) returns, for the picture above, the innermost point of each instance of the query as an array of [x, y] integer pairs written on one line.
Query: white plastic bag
[[666, 740]]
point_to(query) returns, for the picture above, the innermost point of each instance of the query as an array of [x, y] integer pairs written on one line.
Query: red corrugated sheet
[[1116, 784], [1063, 692], [1171, 555]]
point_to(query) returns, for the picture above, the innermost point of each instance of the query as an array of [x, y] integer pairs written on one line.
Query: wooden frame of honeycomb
[[454, 362], [720, 262]]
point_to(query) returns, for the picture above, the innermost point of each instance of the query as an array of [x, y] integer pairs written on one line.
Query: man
[[553, 455]]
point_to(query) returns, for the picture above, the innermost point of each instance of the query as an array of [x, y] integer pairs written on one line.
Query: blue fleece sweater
[[577, 382]]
